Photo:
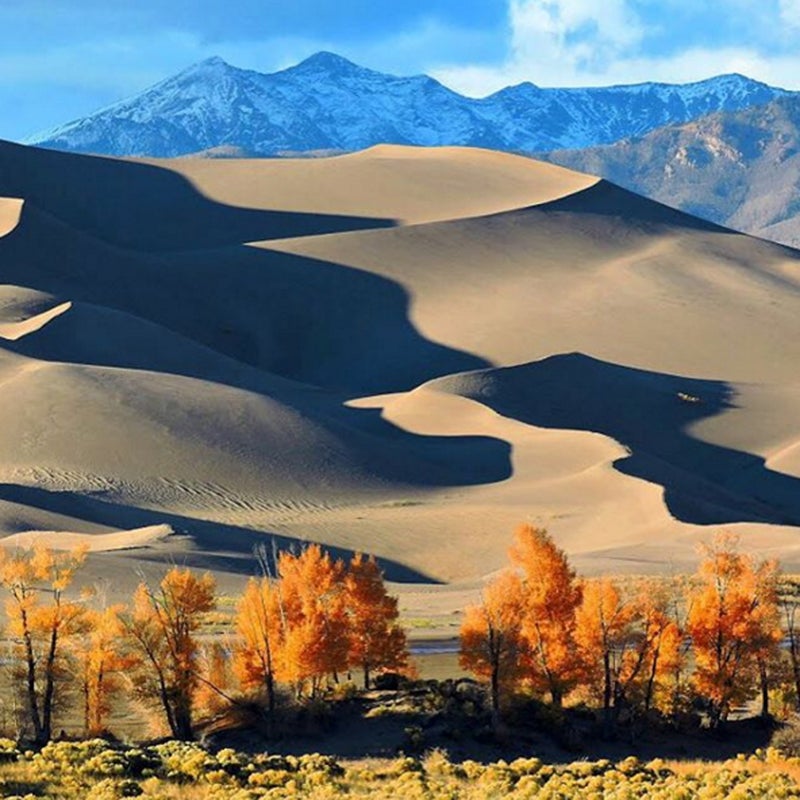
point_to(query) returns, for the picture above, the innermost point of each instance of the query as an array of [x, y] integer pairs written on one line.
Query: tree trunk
[[607, 689], [183, 722], [49, 687], [182, 708], [495, 691], [87, 725], [651, 681], [30, 679], [98, 703], [166, 705], [366, 675], [764, 680], [556, 696], [270, 683], [793, 652]]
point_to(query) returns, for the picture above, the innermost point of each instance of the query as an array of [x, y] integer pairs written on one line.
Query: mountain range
[[327, 103], [740, 169]]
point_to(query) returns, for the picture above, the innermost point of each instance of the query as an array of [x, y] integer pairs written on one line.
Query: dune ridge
[[405, 351]]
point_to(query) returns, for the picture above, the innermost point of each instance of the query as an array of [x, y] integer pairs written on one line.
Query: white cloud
[[571, 31], [555, 42], [585, 43], [790, 12]]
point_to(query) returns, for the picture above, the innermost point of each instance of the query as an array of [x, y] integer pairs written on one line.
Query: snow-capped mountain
[[328, 103]]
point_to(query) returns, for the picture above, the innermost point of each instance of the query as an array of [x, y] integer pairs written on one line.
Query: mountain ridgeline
[[740, 169], [327, 103]]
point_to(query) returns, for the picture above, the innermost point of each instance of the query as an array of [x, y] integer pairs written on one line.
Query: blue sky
[[61, 59]]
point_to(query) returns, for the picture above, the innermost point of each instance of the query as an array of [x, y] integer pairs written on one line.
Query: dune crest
[[95, 542], [411, 185], [16, 330]]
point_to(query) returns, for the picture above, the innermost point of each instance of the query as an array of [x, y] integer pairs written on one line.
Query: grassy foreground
[[97, 770]]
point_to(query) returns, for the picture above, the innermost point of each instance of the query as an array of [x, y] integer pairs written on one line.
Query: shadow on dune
[[605, 199], [212, 545], [306, 332], [146, 208], [650, 414], [422, 460], [309, 320]]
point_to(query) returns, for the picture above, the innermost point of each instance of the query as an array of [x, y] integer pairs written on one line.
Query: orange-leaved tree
[[552, 595], [767, 631], [733, 612], [162, 630], [103, 663], [605, 635], [376, 640], [313, 602], [657, 659], [259, 652], [492, 645], [41, 621], [789, 603], [671, 689]]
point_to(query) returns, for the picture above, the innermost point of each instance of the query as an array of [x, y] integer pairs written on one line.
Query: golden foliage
[[551, 598], [376, 640], [315, 618], [161, 628], [733, 622], [492, 645], [260, 648], [41, 621], [103, 663]]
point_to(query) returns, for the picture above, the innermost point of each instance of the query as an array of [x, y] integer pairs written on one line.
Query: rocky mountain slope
[[326, 103], [740, 169]]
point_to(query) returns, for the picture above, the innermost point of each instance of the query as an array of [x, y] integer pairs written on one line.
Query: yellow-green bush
[[97, 770]]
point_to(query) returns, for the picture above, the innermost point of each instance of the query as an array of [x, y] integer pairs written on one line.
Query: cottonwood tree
[[492, 644], [605, 633], [41, 622], [766, 631], [551, 596], [161, 629], [376, 640], [102, 665], [260, 650], [789, 603], [313, 602], [658, 654], [733, 615]]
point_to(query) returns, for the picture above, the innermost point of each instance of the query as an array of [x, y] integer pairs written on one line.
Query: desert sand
[[403, 351]]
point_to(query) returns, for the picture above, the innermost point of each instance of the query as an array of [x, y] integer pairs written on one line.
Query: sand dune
[[577, 274], [10, 212], [103, 542], [404, 351], [407, 184]]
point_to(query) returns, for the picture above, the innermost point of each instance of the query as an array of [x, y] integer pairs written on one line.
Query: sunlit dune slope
[[405, 351]]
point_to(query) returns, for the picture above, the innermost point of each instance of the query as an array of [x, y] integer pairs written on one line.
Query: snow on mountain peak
[[327, 102], [213, 61], [325, 61]]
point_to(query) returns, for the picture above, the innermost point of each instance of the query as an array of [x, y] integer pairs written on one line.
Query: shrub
[[787, 737]]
